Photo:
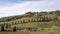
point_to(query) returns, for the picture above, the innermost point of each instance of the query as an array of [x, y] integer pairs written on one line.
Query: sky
[[18, 7]]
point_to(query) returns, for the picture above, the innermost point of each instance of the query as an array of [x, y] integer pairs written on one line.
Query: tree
[[56, 19], [14, 29], [2, 28], [47, 19], [30, 28], [43, 19]]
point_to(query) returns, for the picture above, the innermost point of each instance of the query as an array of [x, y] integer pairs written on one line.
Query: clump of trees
[[7, 27]]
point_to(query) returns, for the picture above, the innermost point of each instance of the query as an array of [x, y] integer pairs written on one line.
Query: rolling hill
[[34, 22]]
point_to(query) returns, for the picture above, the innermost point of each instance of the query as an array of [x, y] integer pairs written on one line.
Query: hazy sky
[[16, 7]]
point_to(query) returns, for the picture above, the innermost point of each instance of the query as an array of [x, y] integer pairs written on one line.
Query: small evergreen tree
[[29, 28], [14, 29], [2, 28]]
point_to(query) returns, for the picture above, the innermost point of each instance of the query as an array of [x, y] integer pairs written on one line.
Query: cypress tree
[[2, 28], [14, 29]]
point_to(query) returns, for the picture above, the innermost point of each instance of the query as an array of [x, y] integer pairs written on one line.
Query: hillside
[[33, 22]]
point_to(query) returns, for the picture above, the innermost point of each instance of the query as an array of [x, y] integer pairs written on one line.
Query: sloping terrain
[[34, 23]]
